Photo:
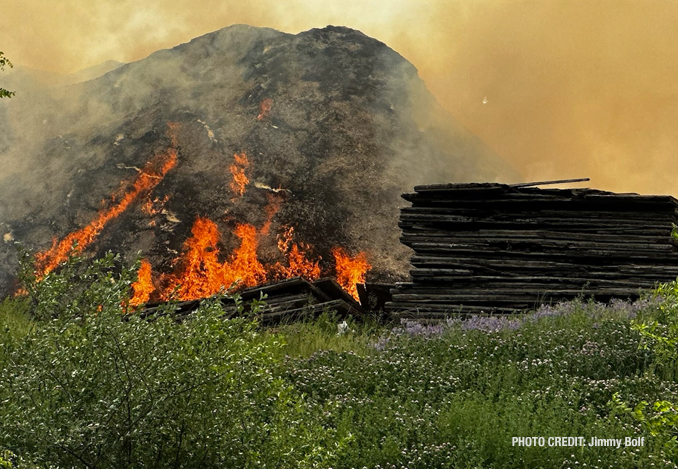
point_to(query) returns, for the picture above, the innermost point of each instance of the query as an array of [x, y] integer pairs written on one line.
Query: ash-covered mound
[[319, 132]]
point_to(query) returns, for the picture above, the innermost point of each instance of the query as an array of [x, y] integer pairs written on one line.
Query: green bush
[[93, 387]]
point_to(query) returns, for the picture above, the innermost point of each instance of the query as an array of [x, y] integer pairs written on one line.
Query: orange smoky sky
[[559, 88]]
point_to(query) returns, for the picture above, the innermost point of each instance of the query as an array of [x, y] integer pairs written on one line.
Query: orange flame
[[201, 272], [143, 287], [202, 275], [350, 270], [245, 267], [240, 180], [298, 264], [272, 208], [264, 108], [149, 177]]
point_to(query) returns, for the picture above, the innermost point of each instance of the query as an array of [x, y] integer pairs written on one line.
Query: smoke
[[560, 89]]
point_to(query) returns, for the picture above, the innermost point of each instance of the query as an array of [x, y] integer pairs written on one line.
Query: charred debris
[[286, 300]]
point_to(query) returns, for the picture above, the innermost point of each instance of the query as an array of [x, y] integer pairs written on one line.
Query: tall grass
[[327, 333], [455, 395]]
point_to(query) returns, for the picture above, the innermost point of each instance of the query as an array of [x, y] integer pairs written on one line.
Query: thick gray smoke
[[560, 88]]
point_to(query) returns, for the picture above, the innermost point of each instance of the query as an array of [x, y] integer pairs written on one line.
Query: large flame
[[240, 179], [143, 288], [350, 270], [245, 268], [200, 272], [149, 177]]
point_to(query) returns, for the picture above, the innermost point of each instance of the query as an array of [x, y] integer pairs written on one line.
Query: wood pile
[[502, 248], [286, 300]]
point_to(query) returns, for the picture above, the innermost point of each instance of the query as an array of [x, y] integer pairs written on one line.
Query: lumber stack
[[285, 300], [502, 248]]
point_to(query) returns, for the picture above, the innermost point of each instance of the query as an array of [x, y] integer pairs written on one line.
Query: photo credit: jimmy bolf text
[[529, 441]]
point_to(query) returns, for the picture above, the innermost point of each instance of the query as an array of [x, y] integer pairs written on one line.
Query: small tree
[[5, 61]]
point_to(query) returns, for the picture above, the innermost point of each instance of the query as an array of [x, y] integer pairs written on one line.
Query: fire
[[272, 208], [264, 108], [245, 268], [143, 287], [298, 265], [201, 274], [350, 270], [240, 180], [149, 177]]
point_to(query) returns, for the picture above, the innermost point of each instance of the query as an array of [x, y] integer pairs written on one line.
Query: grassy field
[[317, 394], [455, 395]]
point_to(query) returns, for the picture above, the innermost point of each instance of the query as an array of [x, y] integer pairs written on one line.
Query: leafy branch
[[4, 61]]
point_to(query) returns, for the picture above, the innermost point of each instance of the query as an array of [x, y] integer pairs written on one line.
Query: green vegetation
[[14, 316], [4, 61], [659, 332], [303, 339], [86, 383]]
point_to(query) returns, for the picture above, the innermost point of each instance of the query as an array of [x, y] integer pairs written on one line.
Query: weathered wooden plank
[[546, 212], [494, 295], [472, 267], [618, 202], [657, 252], [536, 235], [518, 222], [509, 243], [545, 183], [539, 199], [610, 254], [459, 307]]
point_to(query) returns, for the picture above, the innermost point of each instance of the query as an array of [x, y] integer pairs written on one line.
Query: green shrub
[[659, 331], [93, 387]]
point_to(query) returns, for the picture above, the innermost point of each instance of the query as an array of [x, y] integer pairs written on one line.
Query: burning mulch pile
[[501, 248], [290, 299], [246, 155]]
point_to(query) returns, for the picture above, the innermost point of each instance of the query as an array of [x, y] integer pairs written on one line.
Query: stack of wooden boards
[[501, 248], [286, 300]]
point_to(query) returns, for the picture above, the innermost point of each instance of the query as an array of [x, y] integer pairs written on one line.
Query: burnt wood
[[286, 300]]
